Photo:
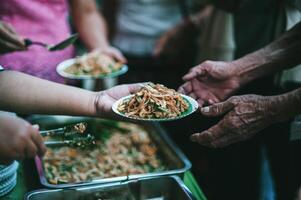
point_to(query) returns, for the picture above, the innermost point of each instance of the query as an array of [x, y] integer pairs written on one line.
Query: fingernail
[[36, 126], [205, 109]]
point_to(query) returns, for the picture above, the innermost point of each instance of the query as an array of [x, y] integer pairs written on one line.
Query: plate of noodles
[[91, 66], [155, 102]]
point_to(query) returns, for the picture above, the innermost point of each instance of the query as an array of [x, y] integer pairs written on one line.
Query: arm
[[212, 82], [281, 54], [92, 27], [26, 94]]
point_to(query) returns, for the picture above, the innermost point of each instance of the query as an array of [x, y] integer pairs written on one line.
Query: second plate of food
[[91, 66], [155, 102]]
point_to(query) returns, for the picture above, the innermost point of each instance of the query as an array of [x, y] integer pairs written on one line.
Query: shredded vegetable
[[94, 63], [154, 101], [121, 154]]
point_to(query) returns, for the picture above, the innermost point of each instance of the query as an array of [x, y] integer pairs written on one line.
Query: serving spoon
[[59, 46]]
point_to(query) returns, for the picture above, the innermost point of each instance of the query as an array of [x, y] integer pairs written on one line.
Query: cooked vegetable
[[154, 101], [121, 149], [93, 64]]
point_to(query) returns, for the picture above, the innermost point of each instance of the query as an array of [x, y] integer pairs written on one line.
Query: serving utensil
[[59, 46], [77, 142], [66, 131]]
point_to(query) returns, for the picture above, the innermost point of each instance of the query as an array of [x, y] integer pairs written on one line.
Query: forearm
[[284, 106], [279, 55], [26, 94], [89, 23]]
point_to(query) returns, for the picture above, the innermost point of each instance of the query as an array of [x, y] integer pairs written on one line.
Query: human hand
[[244, 117], [18, 139], [105, 99], [210, 82], [176, 41], [9, 39], [112, 52]]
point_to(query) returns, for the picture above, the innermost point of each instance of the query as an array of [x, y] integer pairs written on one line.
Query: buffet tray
[[156, 188], [177, 161]]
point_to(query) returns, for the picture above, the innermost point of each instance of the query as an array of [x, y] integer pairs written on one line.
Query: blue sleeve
[[1, 68]]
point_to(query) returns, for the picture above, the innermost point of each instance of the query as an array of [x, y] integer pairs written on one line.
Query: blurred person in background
[[47, 22], [137, 28]]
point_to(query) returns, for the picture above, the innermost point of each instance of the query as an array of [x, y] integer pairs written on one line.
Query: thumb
[[158, 48], [217, 109], [135, 87]]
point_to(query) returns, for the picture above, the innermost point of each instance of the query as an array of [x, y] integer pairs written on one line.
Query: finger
[[209, 135], [8, 36], [39, 143], [195, 72], [36, 126], [9, 28], [133, 88], [224, 141], [213, 100], [114, 53], [6, 46], [192, 95], [186, 88], [158, 49], [30, 150], [201, 103], [217, 109]]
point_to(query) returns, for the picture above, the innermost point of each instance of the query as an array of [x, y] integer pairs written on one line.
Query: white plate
[[193, 106], [67, 63]]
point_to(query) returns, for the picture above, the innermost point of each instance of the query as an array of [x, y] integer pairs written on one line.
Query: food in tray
[[154, 101], [93, 64], [120, 151]]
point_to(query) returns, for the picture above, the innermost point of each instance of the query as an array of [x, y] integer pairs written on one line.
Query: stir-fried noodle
[[154, 101]]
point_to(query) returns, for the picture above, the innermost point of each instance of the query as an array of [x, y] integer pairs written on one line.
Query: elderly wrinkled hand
[[244, 116], [9, 39], [18, 139], [211, 82]]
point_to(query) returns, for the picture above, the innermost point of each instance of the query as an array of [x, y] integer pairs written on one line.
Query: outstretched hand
[[244, 117], [210, 82]]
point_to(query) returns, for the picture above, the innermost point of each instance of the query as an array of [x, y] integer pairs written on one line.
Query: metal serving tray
[[177, 161], [157, 188]]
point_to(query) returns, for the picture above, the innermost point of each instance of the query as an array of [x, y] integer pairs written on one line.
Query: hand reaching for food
[[18, 139], [210, 82], [246, 115], [112, 52], [9, 40]]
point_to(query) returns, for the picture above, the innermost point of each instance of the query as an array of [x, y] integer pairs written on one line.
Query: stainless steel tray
[[178, 162], [158, 188]]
